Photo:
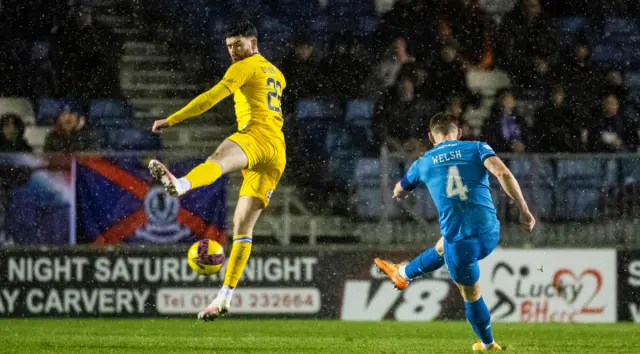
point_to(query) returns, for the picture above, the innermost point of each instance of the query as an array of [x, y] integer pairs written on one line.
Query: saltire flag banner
[[36, 199], [117, 202]]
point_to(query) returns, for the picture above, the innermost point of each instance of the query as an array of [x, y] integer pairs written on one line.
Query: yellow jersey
[[256, 85]]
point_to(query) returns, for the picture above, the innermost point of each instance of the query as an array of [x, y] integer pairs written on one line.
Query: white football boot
[[159, 172], [218, 307]]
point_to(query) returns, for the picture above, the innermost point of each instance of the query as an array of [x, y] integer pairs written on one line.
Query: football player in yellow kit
[[257, 149]]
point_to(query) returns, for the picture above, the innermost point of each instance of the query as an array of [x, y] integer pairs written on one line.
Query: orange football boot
[[477, 347], [392, 270]]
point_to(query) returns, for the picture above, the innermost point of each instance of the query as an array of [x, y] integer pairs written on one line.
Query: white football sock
[[403, 272], [486, 346], [183, 185]]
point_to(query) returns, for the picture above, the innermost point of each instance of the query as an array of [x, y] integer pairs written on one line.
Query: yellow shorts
[[267, 157]]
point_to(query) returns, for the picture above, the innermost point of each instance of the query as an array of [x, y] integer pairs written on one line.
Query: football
[[206, 257]]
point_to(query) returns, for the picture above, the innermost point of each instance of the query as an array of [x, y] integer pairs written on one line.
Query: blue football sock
[[425, 263], [480, 319]]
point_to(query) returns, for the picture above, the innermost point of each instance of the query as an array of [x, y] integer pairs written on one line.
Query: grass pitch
[[292, 336]]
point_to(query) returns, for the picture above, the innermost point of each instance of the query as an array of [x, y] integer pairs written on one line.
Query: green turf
[[288, 336]]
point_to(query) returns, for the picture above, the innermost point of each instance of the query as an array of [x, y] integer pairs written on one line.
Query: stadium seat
[[297, 11], [40, 51], [632, 79], [109, 112], [359, 109], [620, 25], [580, 186], [19, 106], [350, 9], [359, 124], [487, 82], [133, 139], [50, 108], [314, 119], [316, 109], [536, 177], [610, 53], [571, 25], [369, 190], [274, 29]]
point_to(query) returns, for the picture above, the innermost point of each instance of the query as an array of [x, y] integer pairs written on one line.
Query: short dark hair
[[443, 123], [242, 28]]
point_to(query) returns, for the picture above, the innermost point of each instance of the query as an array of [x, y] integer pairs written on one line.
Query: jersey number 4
[[454, 184], [275, 92]]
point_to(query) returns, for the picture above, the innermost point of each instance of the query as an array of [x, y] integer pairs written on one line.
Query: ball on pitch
[[206, 257]]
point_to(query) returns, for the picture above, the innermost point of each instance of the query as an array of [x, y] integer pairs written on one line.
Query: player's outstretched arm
[[196, 107], [511, 186]]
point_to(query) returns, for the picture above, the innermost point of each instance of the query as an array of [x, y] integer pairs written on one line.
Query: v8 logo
[[419, 302]]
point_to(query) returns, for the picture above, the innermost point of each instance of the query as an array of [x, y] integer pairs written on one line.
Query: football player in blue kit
[[456, 174]]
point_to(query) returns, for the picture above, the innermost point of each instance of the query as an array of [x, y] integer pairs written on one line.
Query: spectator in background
[[526, 33], [611, 132], [468, 23], [457, 106], [86, 54], [343, 77], [302, 72], [581, 77], [448, 76], [12, 134], [401, 118], [70, 134], [505, 130], [556, 127], [387, 71], [412, 20], [534, 83], [614, 84]]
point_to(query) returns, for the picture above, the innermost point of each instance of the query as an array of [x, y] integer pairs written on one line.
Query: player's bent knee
[[470, 293]]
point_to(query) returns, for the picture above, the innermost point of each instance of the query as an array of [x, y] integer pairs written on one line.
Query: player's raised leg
[[401, 274], [245, 217], [228, 157]]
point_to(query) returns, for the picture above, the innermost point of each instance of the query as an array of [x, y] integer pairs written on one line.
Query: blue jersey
[[458, 182]]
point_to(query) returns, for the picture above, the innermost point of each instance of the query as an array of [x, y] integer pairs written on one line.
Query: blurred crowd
[[412, 65], [420, 65]]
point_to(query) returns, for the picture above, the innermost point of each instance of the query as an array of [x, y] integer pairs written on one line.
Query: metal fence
[[579, 200]]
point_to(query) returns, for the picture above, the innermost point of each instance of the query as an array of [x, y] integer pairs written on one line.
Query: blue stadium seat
[[297, 11], [350, 9], [316, 109], [109, 112], [610, 53], [359, 122], [314, 118], [424, 205], [108, 108], [580, 185], [620, 25], [536, 178], [571, 25], [50, 108], [274, 29], [359, 109], [133, 139], [368, 189], [40, 51]]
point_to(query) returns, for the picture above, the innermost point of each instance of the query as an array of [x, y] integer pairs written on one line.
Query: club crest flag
[[117, 201]]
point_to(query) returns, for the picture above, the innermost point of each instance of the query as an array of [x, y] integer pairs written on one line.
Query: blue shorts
[[462, 256]]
